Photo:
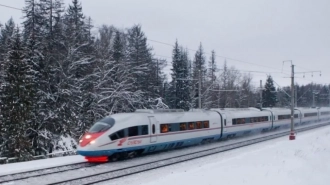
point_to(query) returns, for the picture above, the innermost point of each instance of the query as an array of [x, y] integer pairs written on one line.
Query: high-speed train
[[126, 135]]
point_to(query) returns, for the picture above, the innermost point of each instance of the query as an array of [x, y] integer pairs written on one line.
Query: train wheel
[[114, 157], [131, 155]]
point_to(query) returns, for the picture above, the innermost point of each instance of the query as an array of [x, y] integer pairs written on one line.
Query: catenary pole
[[199, 90], [296, 96], [261, 94], [292, 134]]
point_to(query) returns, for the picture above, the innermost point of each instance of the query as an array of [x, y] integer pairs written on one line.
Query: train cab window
[[199, 125], [133, 131], [102, 125], [183, 126], [207, 125], [191, 125]]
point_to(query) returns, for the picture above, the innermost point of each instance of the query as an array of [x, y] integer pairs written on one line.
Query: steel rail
[[44, 171]]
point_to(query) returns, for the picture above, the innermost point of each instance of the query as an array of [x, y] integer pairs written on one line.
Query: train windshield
[[102, 125]]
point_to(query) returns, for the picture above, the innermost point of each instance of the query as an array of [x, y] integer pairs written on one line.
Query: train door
[[153, 125], [224, 122]]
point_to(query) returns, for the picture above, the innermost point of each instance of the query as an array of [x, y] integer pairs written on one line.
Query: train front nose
[[88, 138], [88, 142], [87, 146]]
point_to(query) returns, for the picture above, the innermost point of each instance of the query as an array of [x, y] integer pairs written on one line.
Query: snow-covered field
[[304, 161]]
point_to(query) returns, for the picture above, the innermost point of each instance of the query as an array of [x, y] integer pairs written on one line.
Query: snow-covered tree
[[142, 65], [5, 35], [180, 84], [199, 72], [211, 96], [269, 98], [17, 109]]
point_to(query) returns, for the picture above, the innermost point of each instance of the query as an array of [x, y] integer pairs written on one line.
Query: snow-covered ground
[[304, 161], [39, 164]]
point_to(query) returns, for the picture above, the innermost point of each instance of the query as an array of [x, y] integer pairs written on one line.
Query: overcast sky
[[263, 32]]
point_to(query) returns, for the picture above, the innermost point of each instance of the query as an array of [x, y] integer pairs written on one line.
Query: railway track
[[94, 175], [45, 171], [119, 173]]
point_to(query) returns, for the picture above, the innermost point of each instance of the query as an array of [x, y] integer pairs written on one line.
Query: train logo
[[122, 141]]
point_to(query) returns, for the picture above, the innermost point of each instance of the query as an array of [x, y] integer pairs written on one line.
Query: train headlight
[[80, 140], [92, 142], [88, 136]]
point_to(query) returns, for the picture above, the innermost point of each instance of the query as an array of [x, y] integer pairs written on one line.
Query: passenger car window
[[199, 125], [183, 126], [133, 131], [191, 125], [144, 130]]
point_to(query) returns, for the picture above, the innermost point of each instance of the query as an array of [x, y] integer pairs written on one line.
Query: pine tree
[[199, 72], [34, 57], [185, 88], [5, 37], [75, 26], [211, 96], [33, 21], [176, 81], [76, 70], [180, 86], [269, 98], [17, 108], [141, 63]]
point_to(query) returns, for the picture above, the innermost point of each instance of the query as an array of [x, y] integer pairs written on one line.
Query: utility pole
[[314, 93], [261, 94], [313, 99], [292, 134], [199, 90], [296, 97]]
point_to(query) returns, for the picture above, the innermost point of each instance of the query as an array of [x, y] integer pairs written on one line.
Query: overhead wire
[[227, 58], [10, 7]]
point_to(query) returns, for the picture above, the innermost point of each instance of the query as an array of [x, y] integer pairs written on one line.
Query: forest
[[58, 77]]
